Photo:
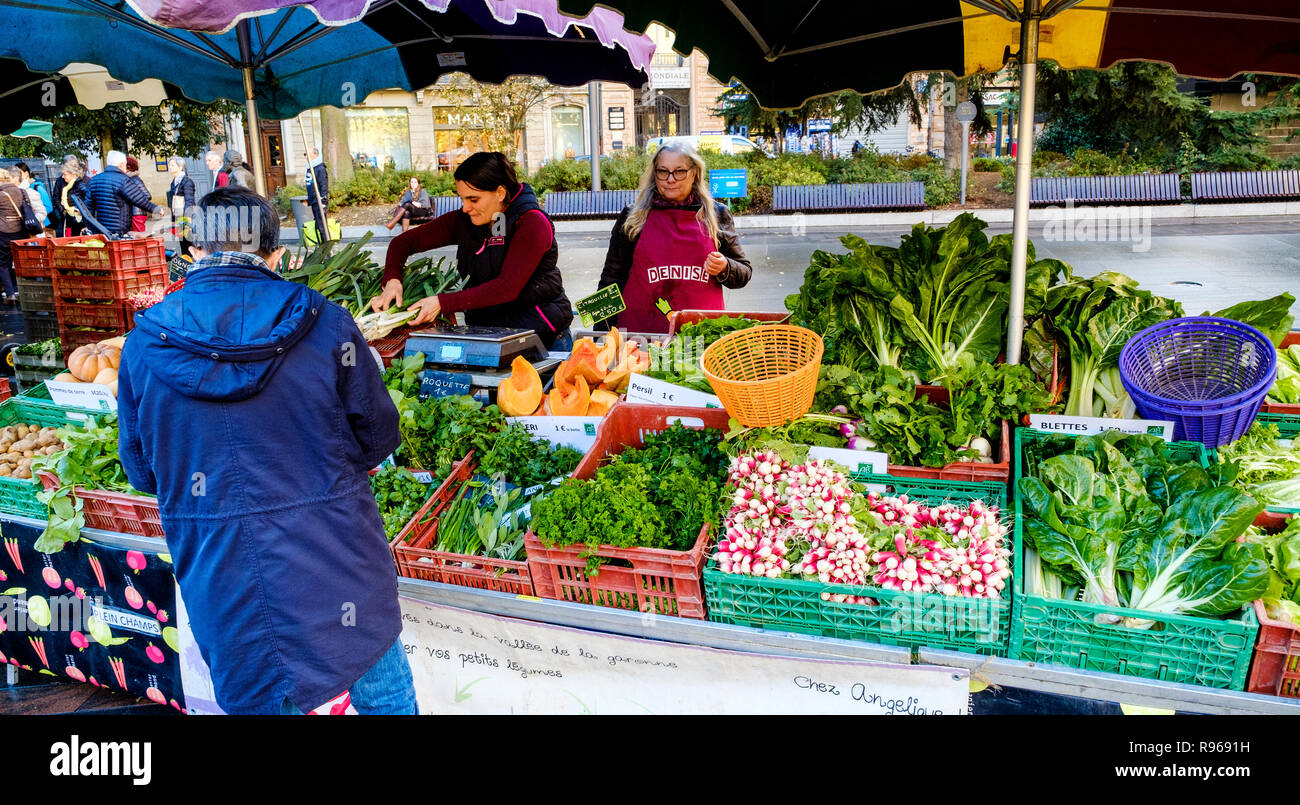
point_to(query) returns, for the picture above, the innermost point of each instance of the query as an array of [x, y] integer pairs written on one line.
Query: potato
[[25, 474], [51, 449], [22, 430], [23, 445], [11, 457], [5, 472], [29, 453], [9, 433]]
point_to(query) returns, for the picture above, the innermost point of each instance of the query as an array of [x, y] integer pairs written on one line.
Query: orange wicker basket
[[765, 375]]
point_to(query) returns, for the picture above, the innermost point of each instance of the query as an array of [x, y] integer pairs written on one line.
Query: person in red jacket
[[505, 246]]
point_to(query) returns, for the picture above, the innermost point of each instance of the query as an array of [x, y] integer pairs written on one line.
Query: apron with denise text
[[668, 264]]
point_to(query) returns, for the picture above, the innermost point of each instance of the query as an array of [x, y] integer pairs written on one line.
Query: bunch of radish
[[949, 549]]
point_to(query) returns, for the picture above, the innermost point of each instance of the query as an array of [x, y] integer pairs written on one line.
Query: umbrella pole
[[250, 102], [1024, 172]]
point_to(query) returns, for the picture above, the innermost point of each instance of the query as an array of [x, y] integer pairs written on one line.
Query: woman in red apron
[[675, 244]]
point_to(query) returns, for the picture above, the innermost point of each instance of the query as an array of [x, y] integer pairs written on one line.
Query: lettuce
[[1286, 389]]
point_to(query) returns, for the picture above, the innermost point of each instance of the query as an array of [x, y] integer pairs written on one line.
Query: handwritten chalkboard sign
[[435, 383]]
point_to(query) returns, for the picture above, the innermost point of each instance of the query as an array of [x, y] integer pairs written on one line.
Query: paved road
[[1206, 265], [1225, 261]]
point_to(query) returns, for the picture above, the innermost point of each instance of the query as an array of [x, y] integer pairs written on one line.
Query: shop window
[[379, 137], [566, 132]]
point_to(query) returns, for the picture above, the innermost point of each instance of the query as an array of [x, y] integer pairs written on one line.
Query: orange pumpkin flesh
[[586, 360], [601, 401], [611, 349], [571, 395], [521, 393]]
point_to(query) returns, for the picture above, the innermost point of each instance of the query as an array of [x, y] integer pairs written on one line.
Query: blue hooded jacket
[[253, 408]]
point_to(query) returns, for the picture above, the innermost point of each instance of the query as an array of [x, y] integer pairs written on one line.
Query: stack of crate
[[35, 287], [92, 284]]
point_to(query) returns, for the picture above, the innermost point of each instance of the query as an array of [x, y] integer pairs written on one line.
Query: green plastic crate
[[980, 626], [18, 496], [1179, 648]]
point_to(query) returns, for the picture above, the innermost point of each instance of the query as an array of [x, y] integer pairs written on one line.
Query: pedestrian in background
[[139, 217], [70, 187], [318, 192], [180, 199], [113, 196], [240, 176], [41, 202], [11, 228], [216, 175]]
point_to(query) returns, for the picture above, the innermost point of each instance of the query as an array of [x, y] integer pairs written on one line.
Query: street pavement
[[1206, 265]]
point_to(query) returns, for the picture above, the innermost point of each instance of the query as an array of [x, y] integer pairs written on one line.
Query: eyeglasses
[[678, 175]]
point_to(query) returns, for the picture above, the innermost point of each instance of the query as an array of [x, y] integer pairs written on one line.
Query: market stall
[[857, 484]]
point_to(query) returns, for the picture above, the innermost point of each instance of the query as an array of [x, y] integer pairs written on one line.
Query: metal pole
[[997, 137], [1024, 172], [965, 148], [593, 104], [250, 101]]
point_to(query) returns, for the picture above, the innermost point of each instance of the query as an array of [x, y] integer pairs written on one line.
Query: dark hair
[[488, 170], [230, 219], [22, 166]]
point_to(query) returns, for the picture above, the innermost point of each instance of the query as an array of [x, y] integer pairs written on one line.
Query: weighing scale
[[470, 346]]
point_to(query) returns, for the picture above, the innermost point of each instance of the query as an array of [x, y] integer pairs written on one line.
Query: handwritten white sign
[[469, 662], [578, 432], [1092, 425], [856, 460], [642, 389], [92, 396]]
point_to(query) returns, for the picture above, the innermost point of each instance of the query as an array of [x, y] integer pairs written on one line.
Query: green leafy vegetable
[[1268, 465], [439, 431], [1286, 389], [89, 460], [399, 495], [1272, 317], [520, 460]]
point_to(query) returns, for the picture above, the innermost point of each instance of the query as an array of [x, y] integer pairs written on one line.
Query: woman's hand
[[427, 310], [715, 264], [392, 293]]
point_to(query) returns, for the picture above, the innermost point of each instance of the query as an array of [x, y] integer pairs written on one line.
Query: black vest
[[480, 255]]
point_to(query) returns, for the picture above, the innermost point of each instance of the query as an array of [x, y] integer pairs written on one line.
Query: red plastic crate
[[1276, 666], [415, 560], [1292, 337], [391, 347], [31, 257], [643, 579], [115, 256], [72, 339], [999, 470], [111, 315], [114, 511], [680, 318], [5, 391], [106, 285]]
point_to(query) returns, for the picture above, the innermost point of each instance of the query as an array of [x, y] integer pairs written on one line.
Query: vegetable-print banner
[[94, 613]]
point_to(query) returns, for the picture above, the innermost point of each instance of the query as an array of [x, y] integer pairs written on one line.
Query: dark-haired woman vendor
[[505, 246]]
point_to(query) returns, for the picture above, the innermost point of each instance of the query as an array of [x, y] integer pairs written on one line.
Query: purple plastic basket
[[1208, 375]]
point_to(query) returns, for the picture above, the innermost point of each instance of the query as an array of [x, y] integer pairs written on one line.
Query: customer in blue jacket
[[113, 196], [253, 409]]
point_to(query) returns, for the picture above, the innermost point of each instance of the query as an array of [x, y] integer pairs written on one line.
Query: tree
[[176, 127], [501, 110], [1136, 109], [335, 149]]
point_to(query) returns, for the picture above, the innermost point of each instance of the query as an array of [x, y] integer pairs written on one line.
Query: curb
[[1157, 212]]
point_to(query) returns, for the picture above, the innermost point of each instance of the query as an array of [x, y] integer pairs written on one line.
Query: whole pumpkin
[[87, 361]]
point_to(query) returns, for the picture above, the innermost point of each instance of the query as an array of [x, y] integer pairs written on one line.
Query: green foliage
[[439, 431], [1135, 108], [520, 460], [987, 165], [562, 175], [88, 460], [178, 127], [371, 186], [399, 495]]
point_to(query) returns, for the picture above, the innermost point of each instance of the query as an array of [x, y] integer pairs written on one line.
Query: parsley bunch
[[522, 461], [439, 431]]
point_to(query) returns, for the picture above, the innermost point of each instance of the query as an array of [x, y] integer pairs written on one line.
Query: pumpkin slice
[[611, 349], [601, 401], [571, 395], [521, 393], [586, 360]]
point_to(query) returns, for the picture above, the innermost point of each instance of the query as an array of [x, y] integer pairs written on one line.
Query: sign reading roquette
[[470, 662]]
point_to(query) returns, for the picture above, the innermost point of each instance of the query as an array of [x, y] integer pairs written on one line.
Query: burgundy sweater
[[533, 236]]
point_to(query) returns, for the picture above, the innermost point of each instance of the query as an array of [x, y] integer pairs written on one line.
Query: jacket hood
[[523, 201], [226, 333]]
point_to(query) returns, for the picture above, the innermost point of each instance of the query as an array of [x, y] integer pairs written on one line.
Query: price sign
[[92, 396], [578, 432], [435, 383], [642, 389], [1092, 425], [606, 302], [868, 461]]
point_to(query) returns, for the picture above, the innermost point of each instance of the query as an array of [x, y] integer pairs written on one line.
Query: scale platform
[[469, 346]]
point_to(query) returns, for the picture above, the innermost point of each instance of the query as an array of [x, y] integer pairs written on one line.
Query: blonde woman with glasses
[[674, 243]]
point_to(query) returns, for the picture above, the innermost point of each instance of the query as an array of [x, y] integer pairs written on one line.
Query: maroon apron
[[668, 263]]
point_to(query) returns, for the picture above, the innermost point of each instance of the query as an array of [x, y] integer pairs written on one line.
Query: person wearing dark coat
[[318, 178], [252, 408], [113, 195], [180, 200], [70, 187]]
